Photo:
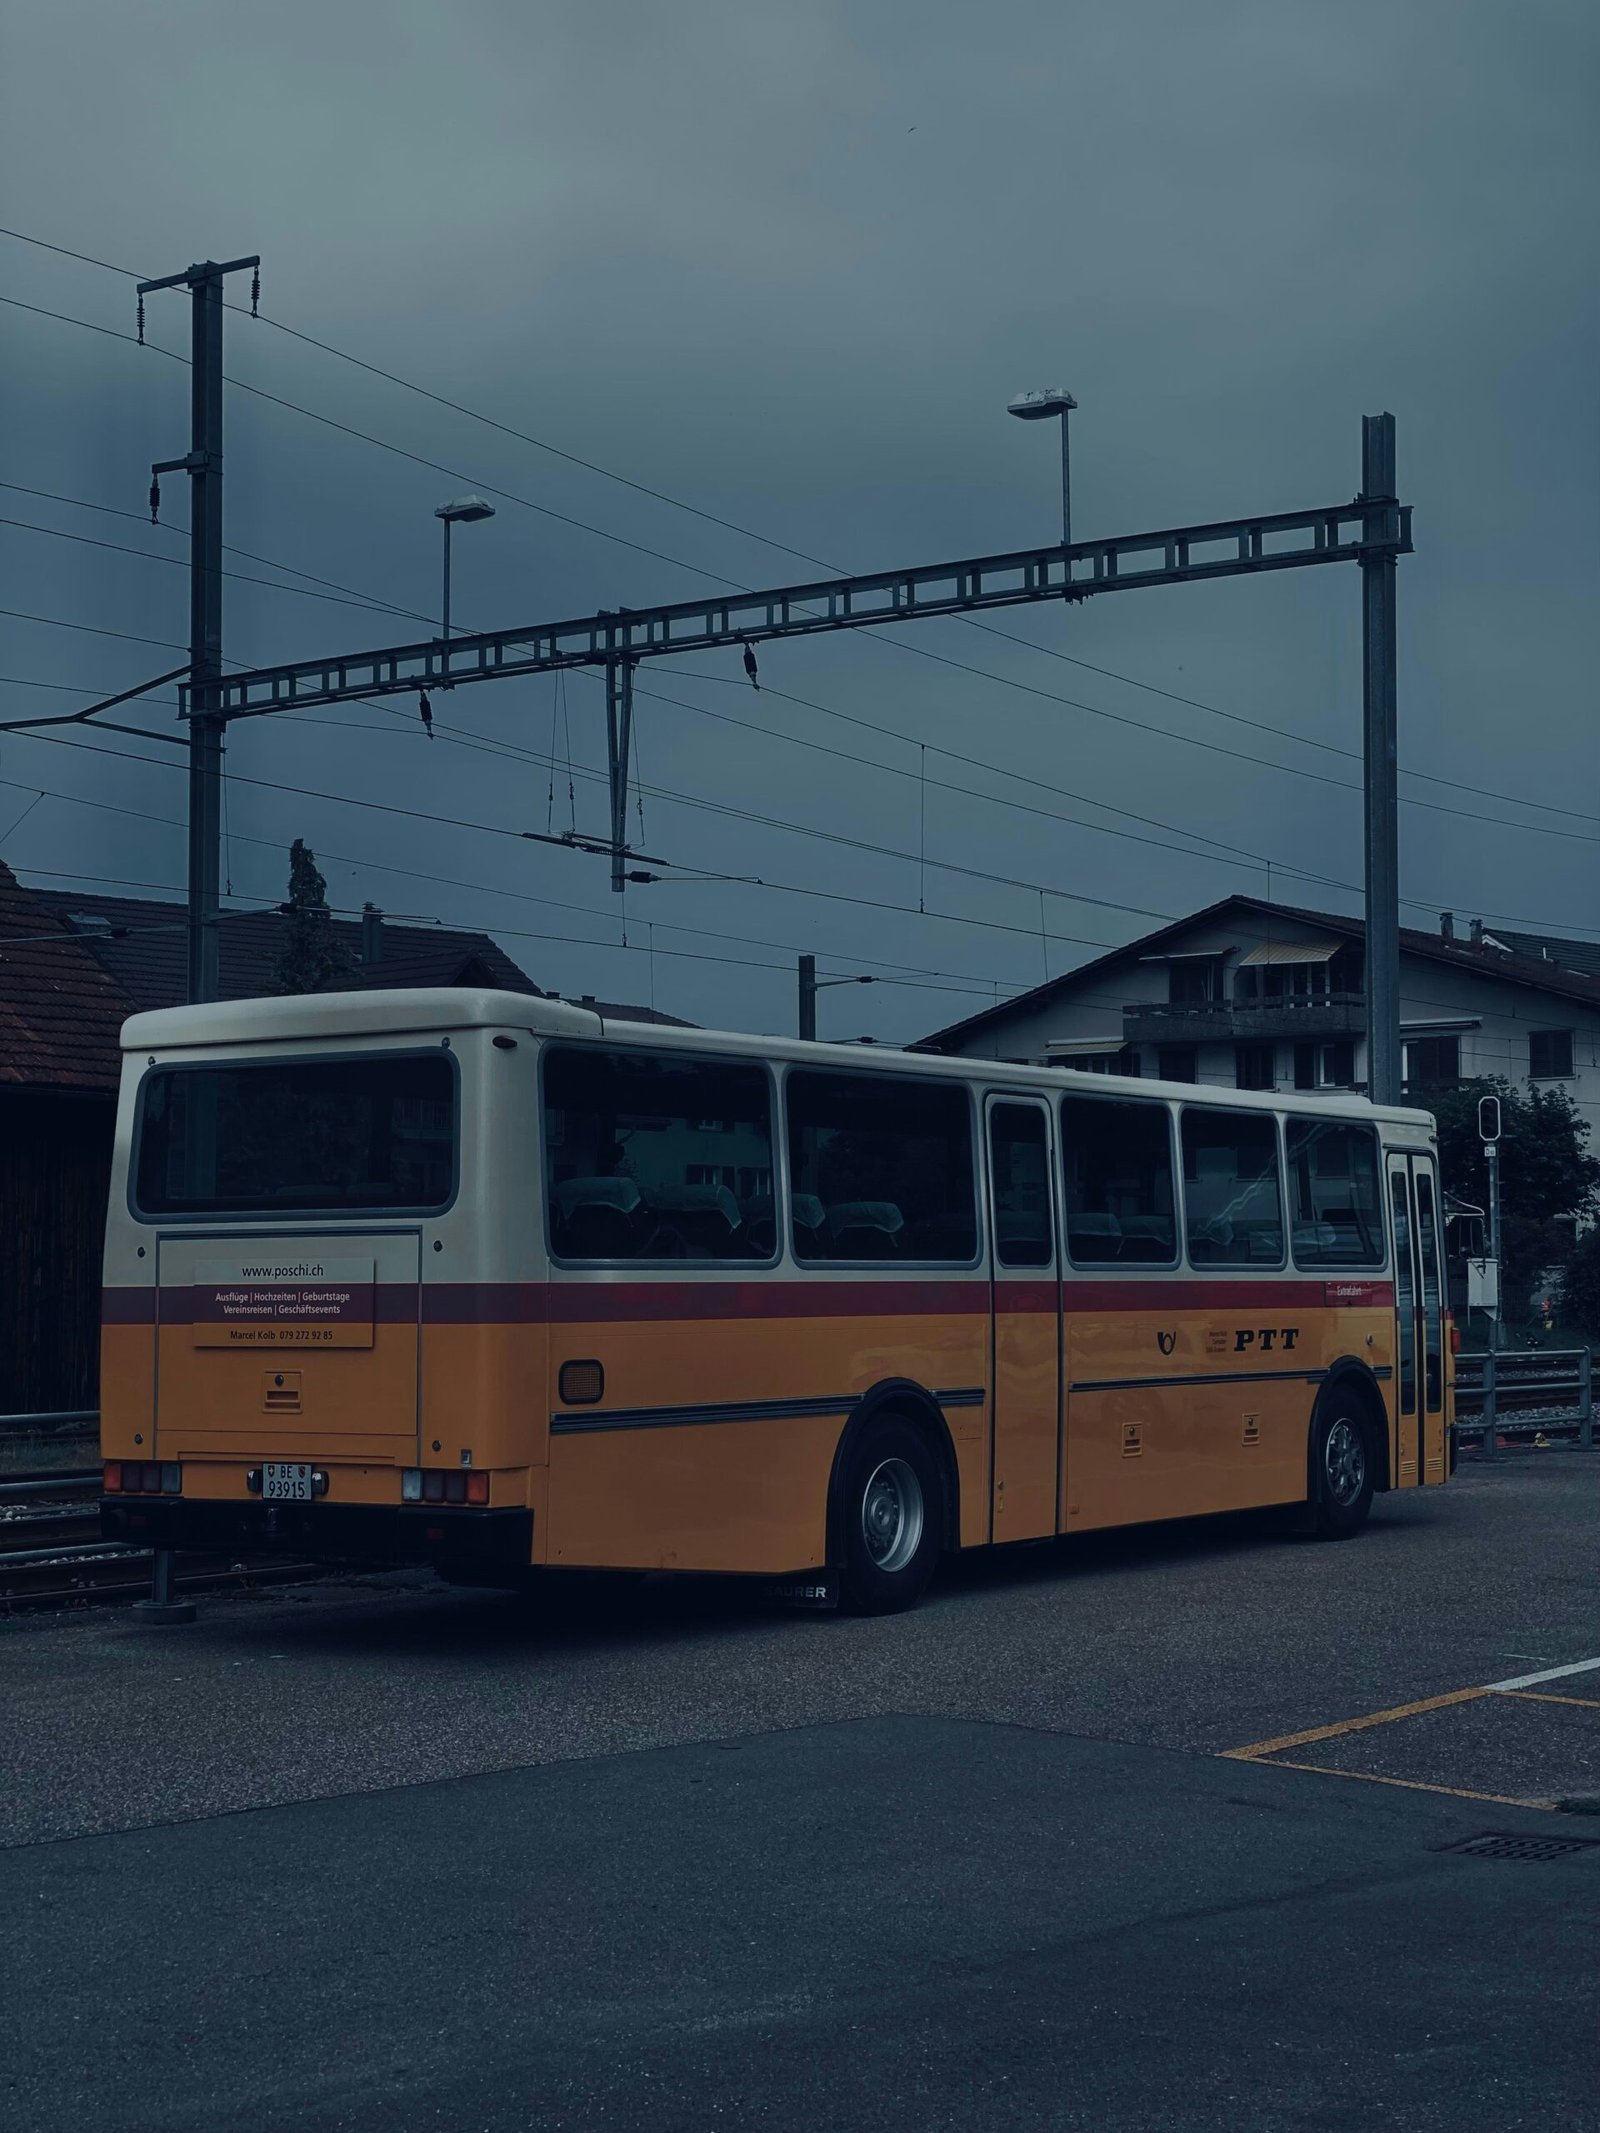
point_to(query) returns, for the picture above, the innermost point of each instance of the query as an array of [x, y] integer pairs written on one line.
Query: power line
[[240, 577], [917, 650], [83, 503], [466, 738], [166, 644], [958, 980], [1489, 1051]]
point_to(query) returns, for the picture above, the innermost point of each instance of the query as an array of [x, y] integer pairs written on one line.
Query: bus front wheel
[[892, 1515], [1342, 1467]]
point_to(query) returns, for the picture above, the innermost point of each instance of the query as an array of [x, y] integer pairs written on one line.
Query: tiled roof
[[619, 1011], [141, 944], [60, 1010], [1583, 956], [1480, 961]]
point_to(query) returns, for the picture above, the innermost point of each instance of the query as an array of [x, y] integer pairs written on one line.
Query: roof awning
[[1083, 1047], [1188, 955], [1292, 952]]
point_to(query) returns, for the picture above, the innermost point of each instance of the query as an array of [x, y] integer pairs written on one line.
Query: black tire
[[1343, 1464], [889, 1517]]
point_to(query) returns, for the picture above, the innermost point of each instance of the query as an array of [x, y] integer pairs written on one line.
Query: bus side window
[[657, 1157], [1019, 1159], [1335, 1210], [1116, 1159], [1232, 1209], [881, 1168]]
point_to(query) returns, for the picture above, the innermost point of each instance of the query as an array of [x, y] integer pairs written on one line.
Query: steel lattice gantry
[[1372, 530], [1287, 540]]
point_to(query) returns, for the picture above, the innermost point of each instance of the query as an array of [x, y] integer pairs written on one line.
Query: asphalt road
[[379, 1855]]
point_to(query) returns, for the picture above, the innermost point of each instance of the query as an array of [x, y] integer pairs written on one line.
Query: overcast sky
[[787, 263]]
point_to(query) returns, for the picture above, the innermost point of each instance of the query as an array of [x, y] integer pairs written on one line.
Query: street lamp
[[1054, 401], [465, 511]]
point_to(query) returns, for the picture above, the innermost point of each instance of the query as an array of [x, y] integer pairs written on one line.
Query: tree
[[1547, 1175], [312, 958]]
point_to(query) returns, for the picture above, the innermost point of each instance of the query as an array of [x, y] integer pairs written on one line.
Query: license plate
[[286, 1481]]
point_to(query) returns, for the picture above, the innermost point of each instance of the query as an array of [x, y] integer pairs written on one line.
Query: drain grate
[[1501, 1844]]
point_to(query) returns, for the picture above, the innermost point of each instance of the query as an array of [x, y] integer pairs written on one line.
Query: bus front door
[[1419, 1370], [1025, 1290]]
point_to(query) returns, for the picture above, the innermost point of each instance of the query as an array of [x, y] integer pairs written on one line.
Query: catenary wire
[[918, 650]]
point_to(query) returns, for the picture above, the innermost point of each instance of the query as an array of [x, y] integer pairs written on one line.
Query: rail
[[51, 1552], [1525, 1392]]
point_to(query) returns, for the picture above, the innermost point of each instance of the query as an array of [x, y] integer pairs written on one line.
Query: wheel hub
[[1344, 1462], [892, 1514]]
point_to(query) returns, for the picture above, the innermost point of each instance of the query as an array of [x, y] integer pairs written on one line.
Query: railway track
[[51, 1553]]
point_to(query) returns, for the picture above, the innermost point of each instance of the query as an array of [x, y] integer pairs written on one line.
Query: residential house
[[1254, 995]]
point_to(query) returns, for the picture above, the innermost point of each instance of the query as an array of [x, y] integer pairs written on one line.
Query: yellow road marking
[[1589, 1703], [1454, 1792], [1352, 1725]]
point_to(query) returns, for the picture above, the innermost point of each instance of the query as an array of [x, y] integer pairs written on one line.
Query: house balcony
[[1333, 1014]]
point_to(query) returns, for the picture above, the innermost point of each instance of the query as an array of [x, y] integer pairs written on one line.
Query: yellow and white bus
[[486, 1281]]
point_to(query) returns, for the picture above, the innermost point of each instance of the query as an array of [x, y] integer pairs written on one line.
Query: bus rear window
[[337, 1135]]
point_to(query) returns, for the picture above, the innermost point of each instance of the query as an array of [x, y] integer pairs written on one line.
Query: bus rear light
[[428, 1484], [143, 1477], [1455, 1338]]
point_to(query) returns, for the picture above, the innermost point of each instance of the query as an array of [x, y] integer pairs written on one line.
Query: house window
[[1254, 1066], [1550, 1055], [1431, 1062], [1194, 981], [1326, 1066], [1294, 982], [1176, 1062], [1125, 1061]]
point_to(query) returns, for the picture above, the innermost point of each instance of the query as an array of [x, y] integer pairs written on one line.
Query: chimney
[[371, 934], [1477, 933], [1447, 925]]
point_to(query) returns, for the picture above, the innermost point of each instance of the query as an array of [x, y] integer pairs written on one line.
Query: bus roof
[[333, 1016]]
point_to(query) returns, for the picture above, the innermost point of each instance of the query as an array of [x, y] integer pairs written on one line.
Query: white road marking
[[1551, 1673]]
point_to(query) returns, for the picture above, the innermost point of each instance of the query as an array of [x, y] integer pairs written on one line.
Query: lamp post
[[1054, 402], [465, 511]]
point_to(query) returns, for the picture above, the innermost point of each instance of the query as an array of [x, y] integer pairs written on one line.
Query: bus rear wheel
[[891, 1512], [1342, 1466]]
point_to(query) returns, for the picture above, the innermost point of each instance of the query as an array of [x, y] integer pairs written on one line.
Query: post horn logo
[[1166, 1342]]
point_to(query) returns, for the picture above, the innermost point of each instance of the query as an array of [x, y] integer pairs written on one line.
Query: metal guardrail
[[1526, 1392]]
